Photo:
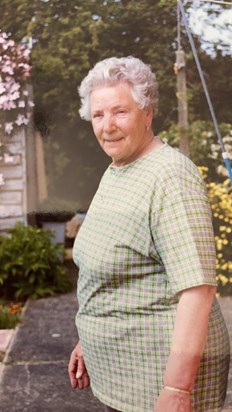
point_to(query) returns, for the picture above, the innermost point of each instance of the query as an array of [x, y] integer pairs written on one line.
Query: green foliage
[[204, 147], [69, 37], [31, 264]]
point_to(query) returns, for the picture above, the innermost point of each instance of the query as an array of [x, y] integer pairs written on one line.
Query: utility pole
[[179, 68]]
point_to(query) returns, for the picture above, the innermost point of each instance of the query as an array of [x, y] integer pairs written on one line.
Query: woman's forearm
[[191, 324], [189, 336]]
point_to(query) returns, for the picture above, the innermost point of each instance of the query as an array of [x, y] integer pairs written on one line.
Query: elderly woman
[[152, 336]]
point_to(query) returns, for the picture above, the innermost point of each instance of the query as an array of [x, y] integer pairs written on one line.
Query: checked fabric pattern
[[147, 236]]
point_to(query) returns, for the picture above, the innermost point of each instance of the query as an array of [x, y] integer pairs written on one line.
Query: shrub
[[30, 264], [220, 195]]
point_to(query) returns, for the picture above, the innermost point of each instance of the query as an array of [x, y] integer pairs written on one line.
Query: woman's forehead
[[112, 95]]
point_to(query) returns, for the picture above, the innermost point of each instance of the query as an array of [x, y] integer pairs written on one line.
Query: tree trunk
[[182, 102]]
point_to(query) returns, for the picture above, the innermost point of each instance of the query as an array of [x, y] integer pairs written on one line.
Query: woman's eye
[[97, 115]]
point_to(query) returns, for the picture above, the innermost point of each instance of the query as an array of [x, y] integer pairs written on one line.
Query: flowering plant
[[9, 315], [15, 103], [220, 200], [14, 73]]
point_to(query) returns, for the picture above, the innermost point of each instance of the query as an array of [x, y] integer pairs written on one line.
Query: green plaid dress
[[147, 236]]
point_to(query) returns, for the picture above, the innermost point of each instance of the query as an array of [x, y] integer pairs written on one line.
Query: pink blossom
[[21, 120], [7, 69], [2, 88], [3, 36], [3, 99], [11, 43], [9, 79], [8, 127], [6, 104], [13, 86], [21, 103], [14, 70], [14, 96], [26, 53], [5, 46]]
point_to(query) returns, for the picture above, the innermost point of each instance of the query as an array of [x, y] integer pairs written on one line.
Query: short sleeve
[[183, 233]]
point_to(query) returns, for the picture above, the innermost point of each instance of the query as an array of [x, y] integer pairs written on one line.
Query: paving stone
[[43, 387], [5, 338], [34, 377]]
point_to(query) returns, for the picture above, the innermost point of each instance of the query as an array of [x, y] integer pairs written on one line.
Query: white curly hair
[[113, 70]]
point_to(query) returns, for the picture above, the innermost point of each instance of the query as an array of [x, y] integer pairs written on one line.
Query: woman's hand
[[78, 374], [173, 402]]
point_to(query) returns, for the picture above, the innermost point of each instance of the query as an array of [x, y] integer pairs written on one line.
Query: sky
[[215, 29]]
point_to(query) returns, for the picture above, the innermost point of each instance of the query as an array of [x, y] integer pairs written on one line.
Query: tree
[[69, 37]]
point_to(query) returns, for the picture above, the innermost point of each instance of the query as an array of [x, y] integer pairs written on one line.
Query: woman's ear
[[149, 117]]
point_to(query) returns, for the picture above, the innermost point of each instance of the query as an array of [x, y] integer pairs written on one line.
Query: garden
[[32, 267], [36, 47]]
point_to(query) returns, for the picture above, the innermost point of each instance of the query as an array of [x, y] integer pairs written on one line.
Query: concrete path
[[34, 376]]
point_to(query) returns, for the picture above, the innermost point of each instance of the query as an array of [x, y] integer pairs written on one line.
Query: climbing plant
[[15, 102]]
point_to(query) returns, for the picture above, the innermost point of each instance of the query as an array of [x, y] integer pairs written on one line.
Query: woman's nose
[[108, 123]]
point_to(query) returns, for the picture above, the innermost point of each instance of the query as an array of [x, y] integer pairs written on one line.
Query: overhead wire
[[225, 154], [223, 3], [178, 29]]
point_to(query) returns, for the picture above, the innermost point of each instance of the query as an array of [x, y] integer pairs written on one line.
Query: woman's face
[[119, 124]]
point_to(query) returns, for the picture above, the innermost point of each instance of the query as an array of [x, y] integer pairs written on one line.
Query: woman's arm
[[189, 338]]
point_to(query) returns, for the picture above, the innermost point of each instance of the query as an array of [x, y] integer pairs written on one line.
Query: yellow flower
[[222, 228], [223, 279]]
